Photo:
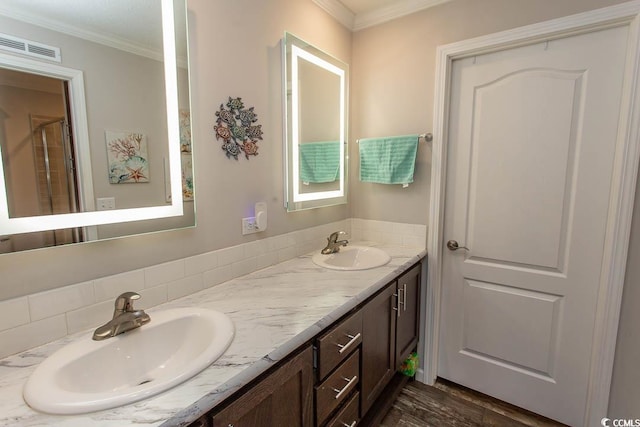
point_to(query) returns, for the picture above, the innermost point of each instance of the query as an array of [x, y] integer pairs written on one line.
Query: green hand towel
[[319, 161], [389, 160]]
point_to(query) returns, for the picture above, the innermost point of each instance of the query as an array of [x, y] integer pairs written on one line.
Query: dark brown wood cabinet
[[284, 398], [390, 333], [378, 346], [333, 391], [335, 345], [349, 414], [408, 314]]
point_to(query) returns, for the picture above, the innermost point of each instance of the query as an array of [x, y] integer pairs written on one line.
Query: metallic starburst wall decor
[[236, 127]]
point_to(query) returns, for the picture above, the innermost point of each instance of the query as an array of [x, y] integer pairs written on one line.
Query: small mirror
[[316, 86], [94, 121]]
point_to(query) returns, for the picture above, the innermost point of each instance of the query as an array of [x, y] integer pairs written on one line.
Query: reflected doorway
[[38, 154]]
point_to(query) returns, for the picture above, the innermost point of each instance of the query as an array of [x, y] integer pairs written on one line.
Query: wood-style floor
[[448, 404]]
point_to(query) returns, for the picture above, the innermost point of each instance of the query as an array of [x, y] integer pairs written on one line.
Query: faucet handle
[[334, 236], [124, 302]]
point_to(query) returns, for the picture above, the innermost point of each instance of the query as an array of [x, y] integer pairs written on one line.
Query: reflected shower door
[[55, 174]]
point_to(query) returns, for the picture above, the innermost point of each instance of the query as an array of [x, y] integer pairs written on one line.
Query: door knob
[[452, 245]]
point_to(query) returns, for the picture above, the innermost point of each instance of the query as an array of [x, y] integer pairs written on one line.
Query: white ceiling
[[359, 14]]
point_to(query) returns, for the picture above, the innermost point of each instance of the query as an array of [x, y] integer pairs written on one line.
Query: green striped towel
[[389, 160], [319, 161]]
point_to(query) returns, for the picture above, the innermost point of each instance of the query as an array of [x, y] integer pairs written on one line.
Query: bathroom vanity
[[284, 360], [344, 374]]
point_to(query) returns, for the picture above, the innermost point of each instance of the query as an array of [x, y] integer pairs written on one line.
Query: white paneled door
[[532, 135]]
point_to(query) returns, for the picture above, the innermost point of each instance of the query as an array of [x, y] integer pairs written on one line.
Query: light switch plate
[[105, 203]]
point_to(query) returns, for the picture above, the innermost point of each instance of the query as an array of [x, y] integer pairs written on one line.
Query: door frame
[[623, 185]]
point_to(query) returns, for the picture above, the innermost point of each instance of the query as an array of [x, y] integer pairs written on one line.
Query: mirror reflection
[[91, 123], [316, 97]]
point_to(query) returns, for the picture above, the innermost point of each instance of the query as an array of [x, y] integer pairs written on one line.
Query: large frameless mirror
[[316, 87], [95, 130]]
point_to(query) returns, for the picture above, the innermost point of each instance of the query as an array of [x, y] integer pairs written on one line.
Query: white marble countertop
[[275, 310]]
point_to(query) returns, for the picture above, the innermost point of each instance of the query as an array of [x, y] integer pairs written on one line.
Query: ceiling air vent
[[27, 47]]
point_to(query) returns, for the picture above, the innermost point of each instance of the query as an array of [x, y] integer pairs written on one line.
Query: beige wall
[[393, 74], [234, 51]]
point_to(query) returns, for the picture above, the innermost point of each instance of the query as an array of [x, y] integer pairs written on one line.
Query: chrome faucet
[[334, 244], [125, 318]]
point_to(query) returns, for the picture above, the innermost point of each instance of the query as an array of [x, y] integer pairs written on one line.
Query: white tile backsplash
[[61, 300], [32, 334], [164, 273], [14, 312], [230, 255], [217, 276], [31, 321], [255, 248], [266, 260], [90, 316], [108, 288], [414, 235], [201, 263], [245, 266], [286, 253], [187, 286], [150, 297]]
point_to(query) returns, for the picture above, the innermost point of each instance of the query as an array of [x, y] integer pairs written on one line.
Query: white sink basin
[[353, 258], [88, 375]]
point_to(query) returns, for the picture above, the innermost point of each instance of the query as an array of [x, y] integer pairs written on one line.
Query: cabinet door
[[408, 290], [378, 345], [284, 398]]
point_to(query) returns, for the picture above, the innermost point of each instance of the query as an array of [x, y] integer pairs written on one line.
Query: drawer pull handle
[[345, 388], [353, 424], [344, 348]]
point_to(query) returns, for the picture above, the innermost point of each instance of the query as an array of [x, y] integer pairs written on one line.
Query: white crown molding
[[336, 9], [81, 33], [378, 16]]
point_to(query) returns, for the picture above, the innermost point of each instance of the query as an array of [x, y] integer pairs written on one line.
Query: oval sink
[[88, 375], [353, 258]]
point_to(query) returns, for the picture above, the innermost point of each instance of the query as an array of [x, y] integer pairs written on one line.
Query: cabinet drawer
[[347, 416], [336, 345], [337, 387]]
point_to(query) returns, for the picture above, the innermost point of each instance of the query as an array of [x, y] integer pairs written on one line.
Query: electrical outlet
[[105, 203], [249, 225]]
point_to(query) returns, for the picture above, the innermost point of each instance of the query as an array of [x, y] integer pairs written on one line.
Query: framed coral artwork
[[185, 131], [127, 156], [187, 177]]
